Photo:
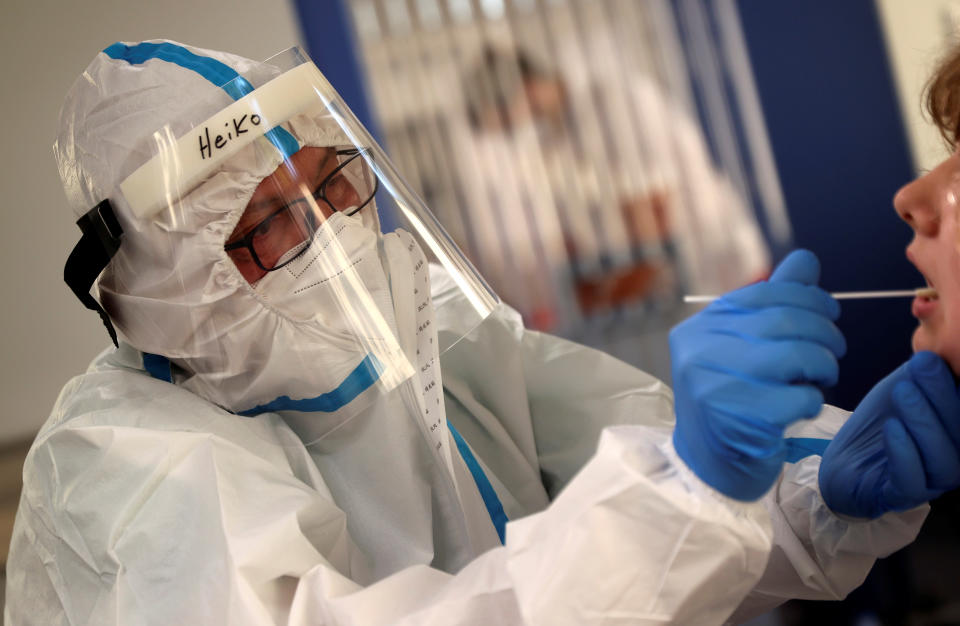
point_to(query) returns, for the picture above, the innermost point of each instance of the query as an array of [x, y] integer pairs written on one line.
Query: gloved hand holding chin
[[900, 447], [746, 367]]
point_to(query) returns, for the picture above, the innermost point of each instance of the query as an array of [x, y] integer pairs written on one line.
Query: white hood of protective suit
[[171, 289]]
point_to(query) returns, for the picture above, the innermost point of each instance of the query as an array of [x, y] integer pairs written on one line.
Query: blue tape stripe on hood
[[218, 73], [799, 448], [356, 382], [215, 71], [487, 492]]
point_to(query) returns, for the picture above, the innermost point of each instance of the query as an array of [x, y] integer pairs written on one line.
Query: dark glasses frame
[[246, 241]]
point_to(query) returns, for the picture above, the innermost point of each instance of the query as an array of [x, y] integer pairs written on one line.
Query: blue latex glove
[[745, 368], [901, 446]]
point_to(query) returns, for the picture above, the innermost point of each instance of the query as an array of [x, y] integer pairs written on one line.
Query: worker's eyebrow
[[262, 207]]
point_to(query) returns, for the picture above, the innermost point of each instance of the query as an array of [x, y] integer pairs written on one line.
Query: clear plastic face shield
[[252, 258], [287, 208]]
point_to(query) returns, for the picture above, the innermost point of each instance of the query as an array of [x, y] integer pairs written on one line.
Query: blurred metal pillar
[[333, 47], [727, 103], [331, 43]]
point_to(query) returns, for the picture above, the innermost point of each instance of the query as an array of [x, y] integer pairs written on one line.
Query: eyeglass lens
[[286, 234]]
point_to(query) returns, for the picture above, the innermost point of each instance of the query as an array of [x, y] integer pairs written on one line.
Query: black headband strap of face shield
[[100, 241]]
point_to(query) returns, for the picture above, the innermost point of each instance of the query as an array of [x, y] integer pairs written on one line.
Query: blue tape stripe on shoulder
[[356, 382], [801, 447], [490, 498], [157, 366], [217, 72]]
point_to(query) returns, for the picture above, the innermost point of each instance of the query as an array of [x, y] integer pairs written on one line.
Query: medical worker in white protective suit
[[273, 440]]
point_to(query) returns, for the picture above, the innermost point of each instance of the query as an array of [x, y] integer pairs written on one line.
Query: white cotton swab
[[922, 292]]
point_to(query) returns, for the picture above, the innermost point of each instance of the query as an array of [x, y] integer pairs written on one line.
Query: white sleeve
[[634, 537], [817, 554], [128, 525]]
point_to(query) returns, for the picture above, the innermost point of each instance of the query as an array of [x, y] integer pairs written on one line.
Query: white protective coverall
[[144, 502]]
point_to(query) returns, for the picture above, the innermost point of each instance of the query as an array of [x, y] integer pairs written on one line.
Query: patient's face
[[929, 205]]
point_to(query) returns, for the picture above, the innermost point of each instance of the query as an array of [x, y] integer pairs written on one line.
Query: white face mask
[[339, 288], [310, 291], [304, 329], [318, 287]]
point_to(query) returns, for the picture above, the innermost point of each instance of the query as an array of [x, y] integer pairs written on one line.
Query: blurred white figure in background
[[636, 212]]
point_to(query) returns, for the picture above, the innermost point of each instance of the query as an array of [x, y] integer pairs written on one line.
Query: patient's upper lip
[[913, 261], [910, 258]]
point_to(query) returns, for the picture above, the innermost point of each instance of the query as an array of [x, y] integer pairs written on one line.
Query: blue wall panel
[[841, 152], [332, 45]]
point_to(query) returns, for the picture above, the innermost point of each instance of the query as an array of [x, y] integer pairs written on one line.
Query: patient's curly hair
[[943, 97]]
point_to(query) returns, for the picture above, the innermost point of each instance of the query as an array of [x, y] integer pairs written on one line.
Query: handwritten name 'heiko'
[[239, 127]]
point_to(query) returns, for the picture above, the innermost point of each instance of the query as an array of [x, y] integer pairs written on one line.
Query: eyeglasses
[[285, 234]]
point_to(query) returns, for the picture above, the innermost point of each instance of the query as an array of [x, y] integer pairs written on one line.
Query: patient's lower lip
[[923, 307]]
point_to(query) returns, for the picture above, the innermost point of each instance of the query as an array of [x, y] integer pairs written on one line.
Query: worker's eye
[[263, 228], [338, 187]]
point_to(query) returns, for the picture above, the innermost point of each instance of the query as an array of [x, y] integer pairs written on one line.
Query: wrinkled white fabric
[[818, 555], [144, 504]]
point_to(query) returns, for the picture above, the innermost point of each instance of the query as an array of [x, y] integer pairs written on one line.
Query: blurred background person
[[685, 228], [583, 188]]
